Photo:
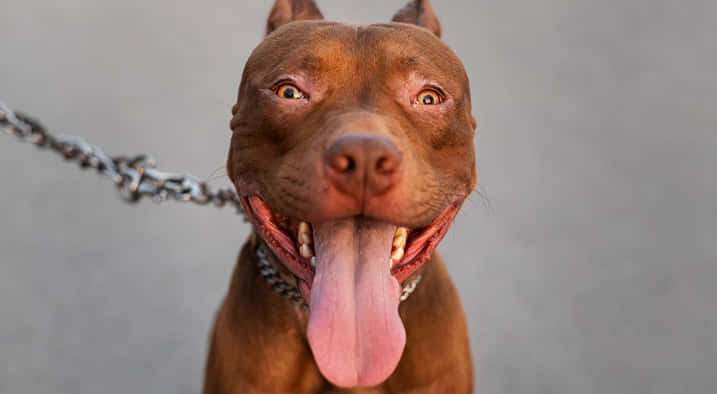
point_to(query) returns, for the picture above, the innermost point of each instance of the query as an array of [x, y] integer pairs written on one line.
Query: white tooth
[[305, 251], [304, 233], [390, 263], [305, 238], [313, 261], [303, 227], [397, 254], [399, 241]]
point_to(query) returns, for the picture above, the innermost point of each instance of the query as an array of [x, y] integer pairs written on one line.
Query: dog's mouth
[[350, 270], [292, 240]]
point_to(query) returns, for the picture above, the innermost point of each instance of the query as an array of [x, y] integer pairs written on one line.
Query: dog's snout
[[363, 165]]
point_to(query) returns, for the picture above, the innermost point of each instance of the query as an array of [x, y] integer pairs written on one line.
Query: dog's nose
[[363, 165]]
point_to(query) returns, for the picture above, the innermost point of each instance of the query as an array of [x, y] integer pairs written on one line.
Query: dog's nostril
[[385, 165], [344, 163]]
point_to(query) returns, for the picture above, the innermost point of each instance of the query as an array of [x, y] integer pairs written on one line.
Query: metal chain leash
[[135, 177]]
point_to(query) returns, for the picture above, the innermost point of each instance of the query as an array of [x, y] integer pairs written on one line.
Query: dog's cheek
[[455, 147], [244, 162], [263, 125], [277, 124], [466, 173], [234, 169]]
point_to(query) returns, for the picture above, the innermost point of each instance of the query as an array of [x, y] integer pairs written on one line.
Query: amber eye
[[289, 91], [429, 97]]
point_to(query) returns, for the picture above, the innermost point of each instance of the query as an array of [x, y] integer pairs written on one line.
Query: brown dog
[[352, 151]]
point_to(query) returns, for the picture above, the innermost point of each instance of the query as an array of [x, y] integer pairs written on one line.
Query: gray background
[[591, 270]]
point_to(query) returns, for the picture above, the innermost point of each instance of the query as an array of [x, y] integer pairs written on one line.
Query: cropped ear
[[419, 12], [285, 11]]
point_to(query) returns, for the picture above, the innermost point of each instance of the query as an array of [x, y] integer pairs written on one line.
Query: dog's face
[[352, 150]]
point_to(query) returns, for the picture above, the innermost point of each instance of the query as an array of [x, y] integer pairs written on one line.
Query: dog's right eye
[[289, 91], [429, 97]]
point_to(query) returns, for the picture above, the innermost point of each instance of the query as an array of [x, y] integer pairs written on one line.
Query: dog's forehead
[[320, 46]]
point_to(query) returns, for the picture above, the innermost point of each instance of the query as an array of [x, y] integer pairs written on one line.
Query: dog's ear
[[285, 11], [419, 12]]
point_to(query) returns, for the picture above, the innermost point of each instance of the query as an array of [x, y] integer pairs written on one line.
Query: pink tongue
[[355, 332]]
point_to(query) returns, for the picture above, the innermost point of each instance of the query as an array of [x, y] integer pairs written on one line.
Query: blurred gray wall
[[591, 270]]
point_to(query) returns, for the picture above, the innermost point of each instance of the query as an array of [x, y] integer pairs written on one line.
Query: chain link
[[135, 177], [273, 278]]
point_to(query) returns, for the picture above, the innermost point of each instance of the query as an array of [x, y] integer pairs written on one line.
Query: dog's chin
[[350, 270]]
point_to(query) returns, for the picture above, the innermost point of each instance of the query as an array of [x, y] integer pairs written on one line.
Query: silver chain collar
[[273, 278]]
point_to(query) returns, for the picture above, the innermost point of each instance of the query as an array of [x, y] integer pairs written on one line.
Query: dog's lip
[[418, 249], [281, 244], [422, 243]]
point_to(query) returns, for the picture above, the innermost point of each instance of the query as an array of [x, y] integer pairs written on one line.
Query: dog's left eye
[[429, 97], [289, 91]]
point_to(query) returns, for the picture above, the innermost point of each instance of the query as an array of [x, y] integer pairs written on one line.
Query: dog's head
[[352, 151]]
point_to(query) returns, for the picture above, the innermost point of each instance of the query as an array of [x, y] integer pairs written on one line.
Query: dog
[[351, 152]]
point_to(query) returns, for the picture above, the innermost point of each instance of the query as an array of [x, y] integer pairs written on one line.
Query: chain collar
[[273, 278]]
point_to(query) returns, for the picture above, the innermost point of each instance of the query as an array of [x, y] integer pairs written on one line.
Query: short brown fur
[[359, 77]]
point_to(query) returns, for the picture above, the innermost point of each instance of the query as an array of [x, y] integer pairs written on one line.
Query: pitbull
[[352, 152]]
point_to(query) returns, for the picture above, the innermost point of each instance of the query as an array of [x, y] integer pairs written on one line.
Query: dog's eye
[[289, 91], [429, 97]]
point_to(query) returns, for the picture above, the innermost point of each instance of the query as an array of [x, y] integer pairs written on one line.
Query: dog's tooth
[[397, 254], [399, 241], [304, 228], [305, 238], [306, 251], [313, 261], [390, 263]]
